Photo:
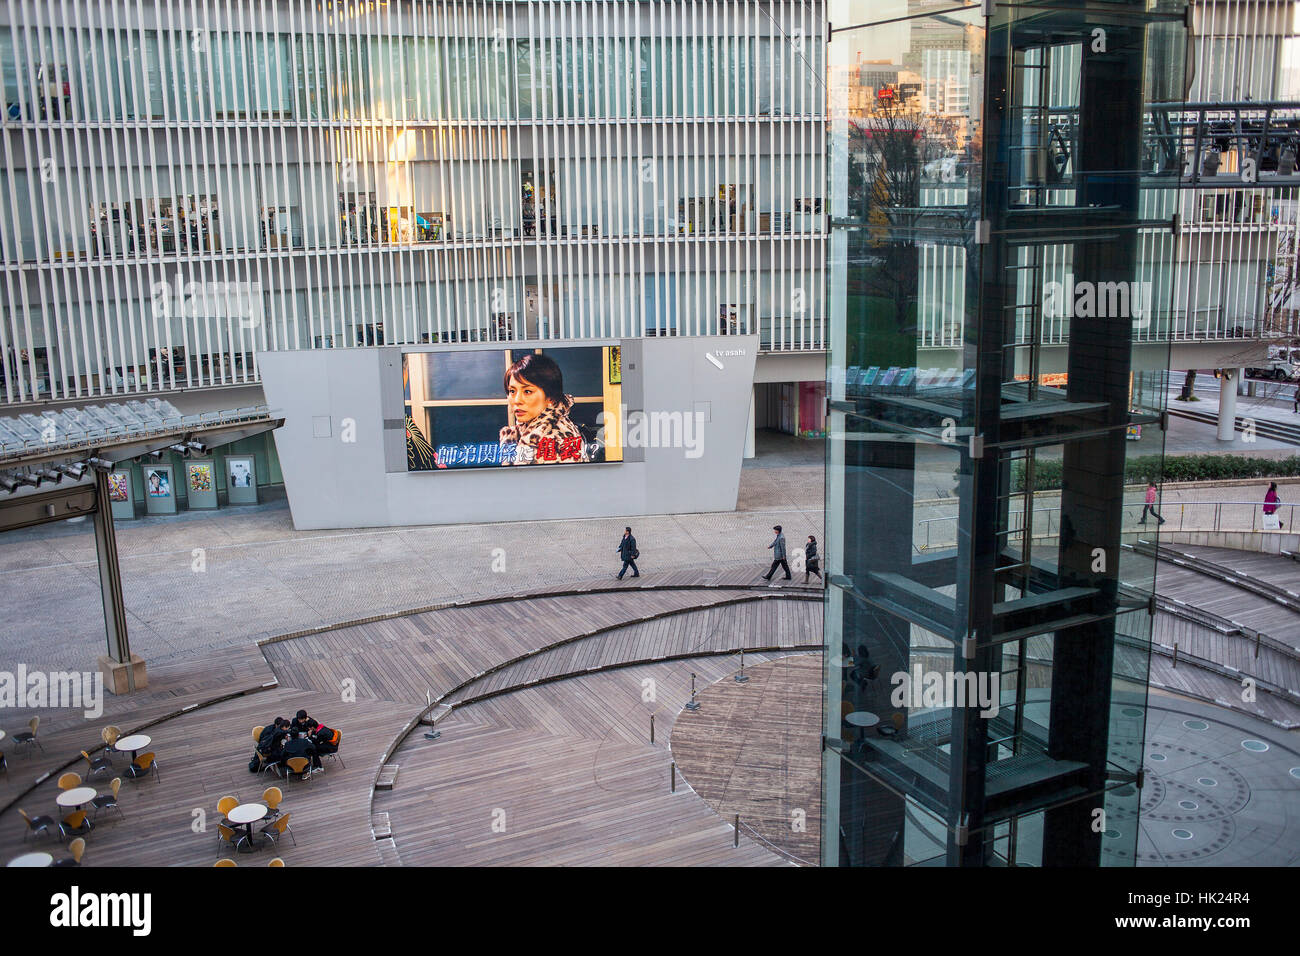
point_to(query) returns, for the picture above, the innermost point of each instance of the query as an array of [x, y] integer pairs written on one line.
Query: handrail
[[1176, 514]]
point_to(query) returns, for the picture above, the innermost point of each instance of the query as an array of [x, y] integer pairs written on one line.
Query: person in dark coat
[[302, 724], [301, 746], [273, 738], [777, 547], [627, 551], [811, 565]]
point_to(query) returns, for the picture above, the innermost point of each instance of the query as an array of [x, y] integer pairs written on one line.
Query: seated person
[[302, 724], [273, 737], [300, 746], [327, 740]]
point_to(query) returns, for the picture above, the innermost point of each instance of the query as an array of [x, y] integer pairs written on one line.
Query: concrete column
[[749, 435], [1228, 403]]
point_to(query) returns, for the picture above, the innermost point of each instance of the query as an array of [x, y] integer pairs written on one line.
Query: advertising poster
[[157, 482], [118, 489], [489, 408], [200, 478], [241, 473]]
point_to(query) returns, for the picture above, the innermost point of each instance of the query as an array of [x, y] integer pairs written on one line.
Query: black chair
[[36, 825], [28, 736], [108, 801]]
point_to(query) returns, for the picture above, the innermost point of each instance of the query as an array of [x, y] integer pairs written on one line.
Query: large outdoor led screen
[[489, 408]]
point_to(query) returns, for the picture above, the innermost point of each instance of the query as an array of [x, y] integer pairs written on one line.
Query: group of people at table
[[303, 736]]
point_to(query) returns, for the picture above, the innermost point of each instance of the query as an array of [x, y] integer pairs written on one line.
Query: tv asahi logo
[[1100, 300], [76, 909]]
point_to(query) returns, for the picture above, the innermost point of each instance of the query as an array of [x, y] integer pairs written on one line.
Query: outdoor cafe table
[[76, 798], [32, 859], [246, 814], [133, 744]]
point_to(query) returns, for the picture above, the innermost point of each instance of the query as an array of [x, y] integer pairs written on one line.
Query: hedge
[[1047, 472]]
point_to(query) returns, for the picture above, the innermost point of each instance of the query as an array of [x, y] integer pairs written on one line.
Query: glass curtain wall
[[991, 182]]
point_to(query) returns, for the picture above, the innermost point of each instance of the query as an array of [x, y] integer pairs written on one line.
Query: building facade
[[189, 184]]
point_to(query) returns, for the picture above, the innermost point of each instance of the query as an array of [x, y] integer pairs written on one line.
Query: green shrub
[[1047, 473]]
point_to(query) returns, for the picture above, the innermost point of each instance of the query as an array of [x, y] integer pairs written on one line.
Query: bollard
[[736, 842], [692, 704], [1175, 654], [652, 728], [741, 678], [672, 777]]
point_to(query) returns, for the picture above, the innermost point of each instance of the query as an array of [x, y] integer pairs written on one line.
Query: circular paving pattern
[[1200, 773]]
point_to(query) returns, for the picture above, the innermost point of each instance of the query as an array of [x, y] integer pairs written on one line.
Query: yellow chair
[[77, 847], [74, 822], [96, 764], [28, 736], [69, 780], [298, 765], [108, 801], [229, 837], [143, 764], [272, 797], [225, 805], [276, 862], [225, 863], [36, 824], [257, 733], [279, 828], [109, 735]]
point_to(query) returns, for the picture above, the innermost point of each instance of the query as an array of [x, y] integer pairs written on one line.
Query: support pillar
[[1228, 403], [749, 434], [123, 671]]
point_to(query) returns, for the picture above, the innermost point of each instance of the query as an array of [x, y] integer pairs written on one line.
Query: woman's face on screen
[[527, 401]]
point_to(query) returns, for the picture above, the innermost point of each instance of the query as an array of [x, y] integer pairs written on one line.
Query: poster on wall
[[488, 408], [241, 480], [201, 485], [158, 482], [159, 494], [200, 478], [118, 487]]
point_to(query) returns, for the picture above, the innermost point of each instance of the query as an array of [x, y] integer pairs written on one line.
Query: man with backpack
[[627, 551]]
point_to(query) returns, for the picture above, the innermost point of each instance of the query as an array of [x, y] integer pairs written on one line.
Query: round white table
[[32, 859], [862, 718], [133, 744], [75, 799], [839, 661], [246, 814]]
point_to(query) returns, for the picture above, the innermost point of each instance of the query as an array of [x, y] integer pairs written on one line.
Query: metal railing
[[1209, 516]]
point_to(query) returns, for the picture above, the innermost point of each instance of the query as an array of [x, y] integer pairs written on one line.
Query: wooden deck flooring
[[568, 775], [754, 749], [574, 748]]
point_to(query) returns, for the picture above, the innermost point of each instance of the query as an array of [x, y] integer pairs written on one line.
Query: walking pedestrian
[[810, 565], [627, 551], [1295, 401], [1151, 504], [777, 547], [1271, 502]]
